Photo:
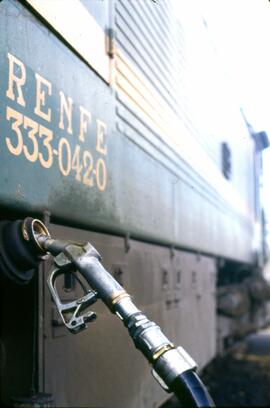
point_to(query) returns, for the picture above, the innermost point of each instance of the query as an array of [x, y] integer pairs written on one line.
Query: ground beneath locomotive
[[242, 377]]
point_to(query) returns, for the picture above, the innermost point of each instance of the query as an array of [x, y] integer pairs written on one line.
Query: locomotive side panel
[[165, 70], [117, 151], [101, 367], [56, 119]]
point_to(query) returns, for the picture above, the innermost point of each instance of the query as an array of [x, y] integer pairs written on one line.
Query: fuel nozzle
[[24, 243], [21, 248]]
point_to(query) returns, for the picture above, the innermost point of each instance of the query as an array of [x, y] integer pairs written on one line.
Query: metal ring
[[31, 227], [119, 297], [163, 350]]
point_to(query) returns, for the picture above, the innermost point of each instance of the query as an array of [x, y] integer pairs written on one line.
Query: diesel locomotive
[[119, 127]]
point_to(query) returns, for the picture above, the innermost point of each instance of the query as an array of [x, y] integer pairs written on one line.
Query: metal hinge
[[110, 42]]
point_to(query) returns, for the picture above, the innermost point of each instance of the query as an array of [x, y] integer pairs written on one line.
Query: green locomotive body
[[115, 129]]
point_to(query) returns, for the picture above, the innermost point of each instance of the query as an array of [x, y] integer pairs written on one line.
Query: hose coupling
[[171, 364]]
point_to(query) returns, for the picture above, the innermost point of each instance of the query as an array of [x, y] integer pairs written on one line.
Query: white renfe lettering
[[101, 132], [65, 107], [16, 67], [43, 87], [85, 118]]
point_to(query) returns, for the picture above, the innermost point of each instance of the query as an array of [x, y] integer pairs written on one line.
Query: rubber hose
[[190, 391]]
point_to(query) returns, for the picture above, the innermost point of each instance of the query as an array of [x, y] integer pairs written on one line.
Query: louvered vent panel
[[151, 75]]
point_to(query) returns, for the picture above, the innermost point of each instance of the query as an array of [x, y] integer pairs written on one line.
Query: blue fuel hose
[[190, 391]]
